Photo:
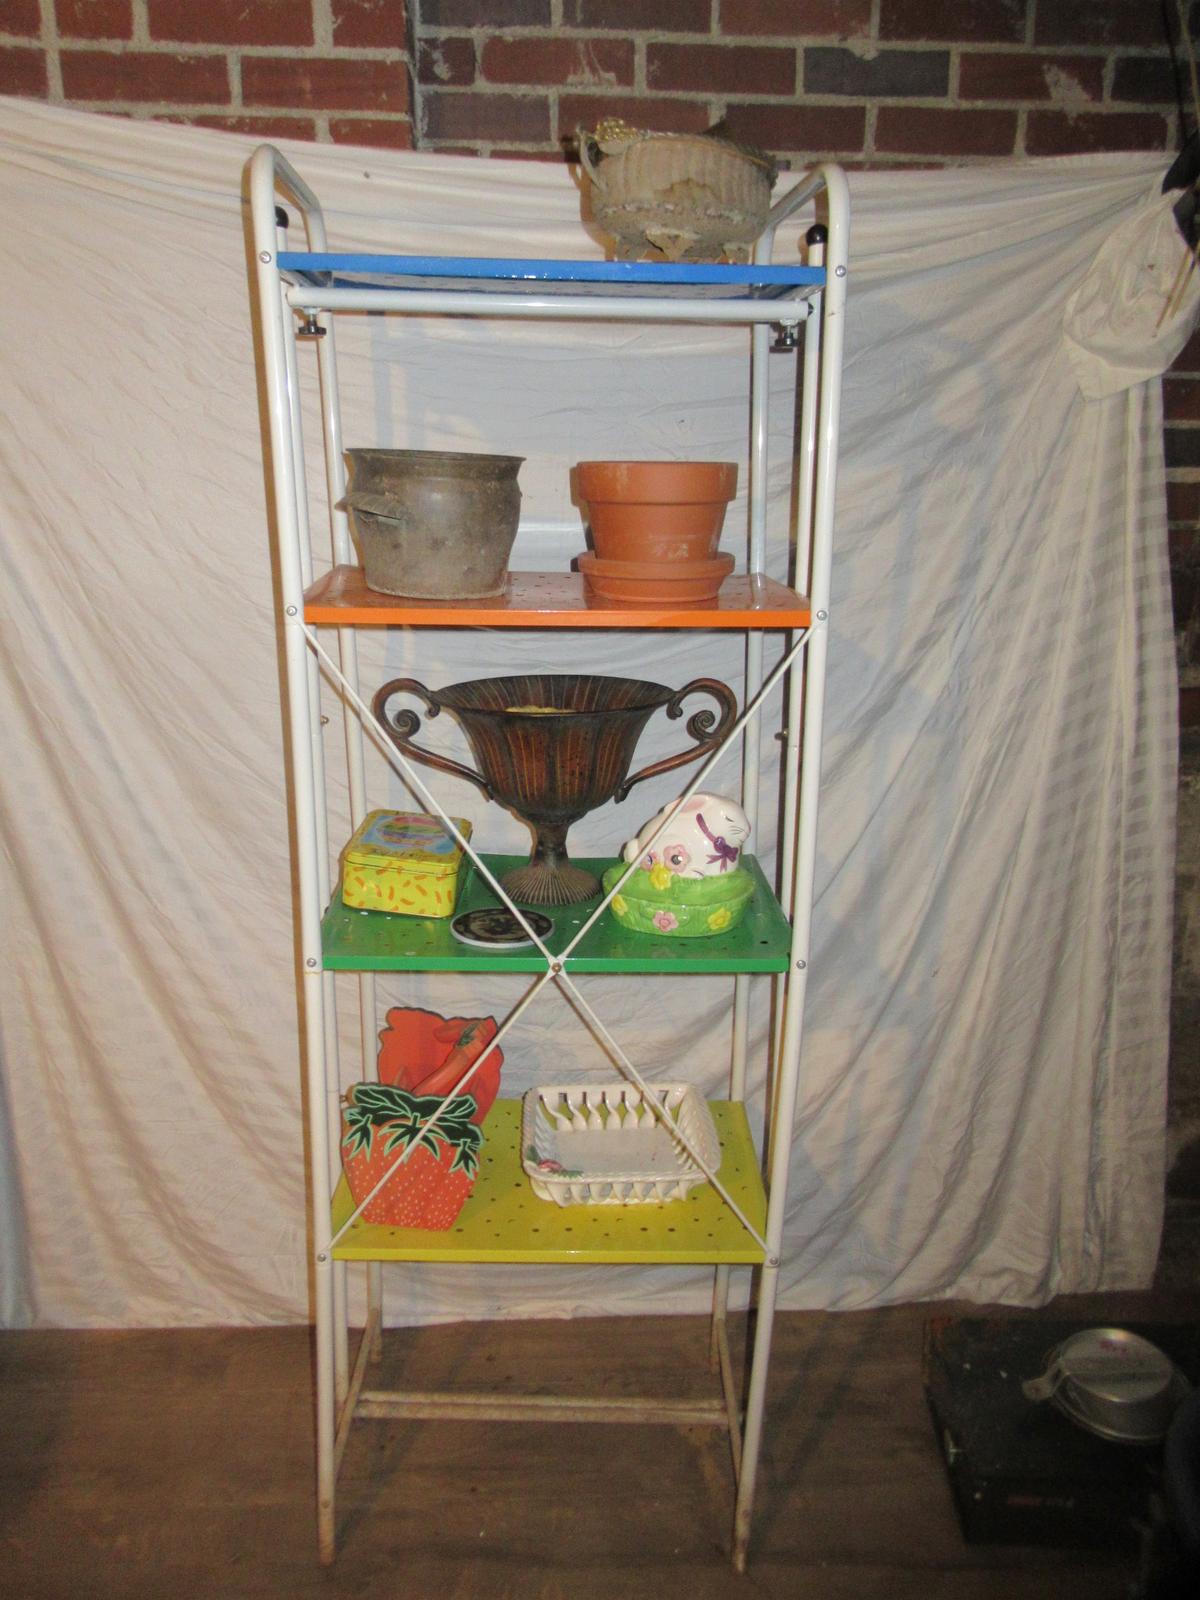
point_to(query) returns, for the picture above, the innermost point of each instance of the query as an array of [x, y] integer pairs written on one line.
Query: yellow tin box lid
[[413, 840]]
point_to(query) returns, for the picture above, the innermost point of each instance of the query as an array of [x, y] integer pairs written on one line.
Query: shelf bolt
[[839, 272], [322, 1257], [772, 1261], [311, 962], [291, 611], [556, 966], [800, 966], [264, 256], [822, 616]]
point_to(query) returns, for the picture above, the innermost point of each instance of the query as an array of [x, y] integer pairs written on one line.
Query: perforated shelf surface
[[552, 600], [503, 1220], [376, 941]]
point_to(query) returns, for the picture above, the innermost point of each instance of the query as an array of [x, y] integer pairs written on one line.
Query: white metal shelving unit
[[737, 1218]]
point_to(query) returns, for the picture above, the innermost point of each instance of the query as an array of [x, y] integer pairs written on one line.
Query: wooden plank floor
[[179, 1463]]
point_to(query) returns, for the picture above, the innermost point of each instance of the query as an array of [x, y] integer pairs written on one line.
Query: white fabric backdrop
[[983, 1091]]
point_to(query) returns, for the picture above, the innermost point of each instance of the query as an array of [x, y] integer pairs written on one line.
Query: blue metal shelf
[[483, 274]]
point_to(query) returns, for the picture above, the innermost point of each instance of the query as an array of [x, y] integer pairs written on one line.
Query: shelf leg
[[755, 1409], [722, 1363], [374, 1329], [326, 1412], [328, 1274], [720, 1307], [740, 1035], [341, 1315], [341, 1334]]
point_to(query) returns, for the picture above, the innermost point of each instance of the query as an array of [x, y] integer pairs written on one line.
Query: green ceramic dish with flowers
[[659, 902]]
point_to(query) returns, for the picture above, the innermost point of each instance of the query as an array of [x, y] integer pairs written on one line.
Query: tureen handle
[[586, 159], [700, 726], [403, 724]]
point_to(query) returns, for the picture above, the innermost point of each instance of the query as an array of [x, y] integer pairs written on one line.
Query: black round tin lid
[[496, 928]]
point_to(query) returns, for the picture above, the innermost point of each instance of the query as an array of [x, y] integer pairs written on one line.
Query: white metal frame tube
[[266, 169], [806, 476], [546, 307], [788, 1060], [752, 742], [752, 734], [317, 745], [344, 554]]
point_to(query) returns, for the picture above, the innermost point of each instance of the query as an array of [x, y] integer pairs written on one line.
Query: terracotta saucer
[[655, 582]]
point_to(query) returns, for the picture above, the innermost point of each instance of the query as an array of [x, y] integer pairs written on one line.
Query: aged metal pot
[[434, 524], [1113, 1383]]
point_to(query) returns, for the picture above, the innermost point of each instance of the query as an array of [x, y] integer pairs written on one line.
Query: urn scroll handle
[[700, 725], [401, 725]]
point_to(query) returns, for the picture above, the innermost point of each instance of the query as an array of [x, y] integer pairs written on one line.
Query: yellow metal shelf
[[503, 1220]]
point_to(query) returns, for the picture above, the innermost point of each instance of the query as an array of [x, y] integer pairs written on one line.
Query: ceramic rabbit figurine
[[705, 839]]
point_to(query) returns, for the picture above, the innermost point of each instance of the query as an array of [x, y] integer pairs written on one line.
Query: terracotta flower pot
[[656, 510], [653, 583]]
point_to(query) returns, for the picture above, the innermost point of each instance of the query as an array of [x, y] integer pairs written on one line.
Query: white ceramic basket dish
[[590, 1144]]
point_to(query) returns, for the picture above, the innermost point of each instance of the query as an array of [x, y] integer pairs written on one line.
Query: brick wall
[[301, 69], [874, 82], [883, 81], [880, 81]]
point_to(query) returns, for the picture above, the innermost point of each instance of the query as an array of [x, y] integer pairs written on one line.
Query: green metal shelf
[[377, 941], [503, 1220]]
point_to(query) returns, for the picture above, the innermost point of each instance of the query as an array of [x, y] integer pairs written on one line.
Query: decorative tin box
[[403, 862], [422, 1055], [380, 1124]]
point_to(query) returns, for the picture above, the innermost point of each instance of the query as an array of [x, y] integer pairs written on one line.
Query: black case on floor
[[1021, 1472]]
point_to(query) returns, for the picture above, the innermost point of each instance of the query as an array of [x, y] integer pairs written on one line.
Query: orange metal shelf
[[552, 600]]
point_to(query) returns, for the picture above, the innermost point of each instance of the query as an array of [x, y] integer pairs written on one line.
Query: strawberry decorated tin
[[403, 862], [432, 1172]]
